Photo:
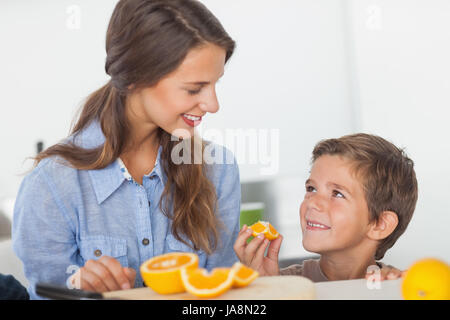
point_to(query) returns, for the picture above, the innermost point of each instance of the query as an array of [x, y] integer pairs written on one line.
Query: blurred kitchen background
[[311, 69]]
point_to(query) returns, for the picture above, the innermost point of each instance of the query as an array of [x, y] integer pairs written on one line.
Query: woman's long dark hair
[[145, 41]]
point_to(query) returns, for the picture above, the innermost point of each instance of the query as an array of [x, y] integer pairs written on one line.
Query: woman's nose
[[210, 103]]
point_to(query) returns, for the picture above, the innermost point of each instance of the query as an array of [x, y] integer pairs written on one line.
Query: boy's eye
[[310, 189], [337, 194]]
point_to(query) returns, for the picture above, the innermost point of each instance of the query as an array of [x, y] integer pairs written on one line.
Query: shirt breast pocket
[[93, 248], [173, 245]]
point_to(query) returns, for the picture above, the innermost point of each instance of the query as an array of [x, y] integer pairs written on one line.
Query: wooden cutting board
[[263, 288]]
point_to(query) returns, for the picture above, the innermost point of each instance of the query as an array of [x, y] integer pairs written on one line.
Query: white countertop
[[358, 290]]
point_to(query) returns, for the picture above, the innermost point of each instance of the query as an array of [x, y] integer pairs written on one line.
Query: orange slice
[[265, 228], [244, 275], [204, 284], [162, 273]]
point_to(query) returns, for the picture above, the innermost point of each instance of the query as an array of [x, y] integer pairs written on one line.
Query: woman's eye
[[194, 92], [310, 189], [337, 194]]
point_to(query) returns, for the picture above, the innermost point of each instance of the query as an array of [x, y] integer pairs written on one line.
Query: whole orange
[[427, 279]]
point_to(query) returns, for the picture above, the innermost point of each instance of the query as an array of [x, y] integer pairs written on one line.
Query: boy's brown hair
[[387, 176]]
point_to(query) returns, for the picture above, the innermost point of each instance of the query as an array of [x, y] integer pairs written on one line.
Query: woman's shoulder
[[54, 166], [59, 168], [53, 172], [47, 190]]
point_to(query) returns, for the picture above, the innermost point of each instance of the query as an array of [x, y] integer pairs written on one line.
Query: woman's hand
[[104, 274], [252, 254]]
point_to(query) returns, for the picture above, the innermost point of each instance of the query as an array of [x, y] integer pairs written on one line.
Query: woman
[[111, 195]]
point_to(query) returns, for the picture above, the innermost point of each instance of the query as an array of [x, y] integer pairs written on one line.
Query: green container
[[251, 212]]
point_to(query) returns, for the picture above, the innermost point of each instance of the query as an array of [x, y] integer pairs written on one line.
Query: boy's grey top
[[310, 269]]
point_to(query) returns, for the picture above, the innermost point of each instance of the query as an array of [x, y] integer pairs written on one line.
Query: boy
[[360, 197]]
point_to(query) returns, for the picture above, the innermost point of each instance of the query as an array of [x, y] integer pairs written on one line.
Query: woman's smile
[[191, 120]]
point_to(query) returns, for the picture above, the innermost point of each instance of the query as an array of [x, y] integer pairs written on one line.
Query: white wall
[[288, 72], [46, 71], [402, 66]]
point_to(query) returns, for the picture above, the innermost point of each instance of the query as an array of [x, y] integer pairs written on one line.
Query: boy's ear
[[384, 226]]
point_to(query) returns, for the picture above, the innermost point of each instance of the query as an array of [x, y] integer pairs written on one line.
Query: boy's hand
[[388, 273], [252, 254]]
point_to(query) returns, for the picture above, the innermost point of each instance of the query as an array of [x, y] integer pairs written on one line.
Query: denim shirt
[[65, 216]]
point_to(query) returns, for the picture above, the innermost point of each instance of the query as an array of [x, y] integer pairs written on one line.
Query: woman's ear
[[384, 226]]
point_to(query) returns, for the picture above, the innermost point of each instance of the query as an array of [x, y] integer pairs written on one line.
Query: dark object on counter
[[51, 291], [11, 289]]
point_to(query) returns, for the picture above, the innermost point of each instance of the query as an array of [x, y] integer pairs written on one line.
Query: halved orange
[[244, 275], [204, 284], [162, 273], [265, 228]]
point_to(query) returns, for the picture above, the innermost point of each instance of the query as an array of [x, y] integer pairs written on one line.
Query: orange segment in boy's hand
[[162, 273], [244, 275], [208, 285], [265, 228]]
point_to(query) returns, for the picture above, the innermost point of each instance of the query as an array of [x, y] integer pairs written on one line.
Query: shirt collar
[[107, 180], [157, 168]]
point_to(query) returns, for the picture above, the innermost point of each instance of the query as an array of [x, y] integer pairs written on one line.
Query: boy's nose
[[317, 203]]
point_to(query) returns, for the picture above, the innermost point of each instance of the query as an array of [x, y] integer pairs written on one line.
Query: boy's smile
[[314, 225], [334, 215]]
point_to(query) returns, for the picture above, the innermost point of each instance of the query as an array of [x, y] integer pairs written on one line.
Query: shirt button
[[152, 177], [98, 253], [145, 241]]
